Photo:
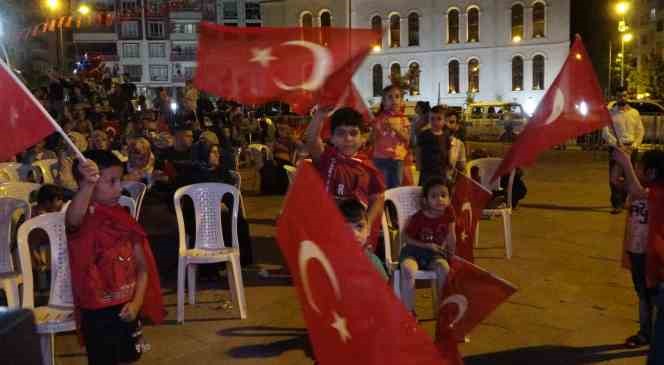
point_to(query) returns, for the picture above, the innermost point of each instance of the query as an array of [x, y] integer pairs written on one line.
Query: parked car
[[494, 121]]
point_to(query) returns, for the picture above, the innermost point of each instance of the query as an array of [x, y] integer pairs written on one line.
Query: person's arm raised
[[79, 204], [313, 142]]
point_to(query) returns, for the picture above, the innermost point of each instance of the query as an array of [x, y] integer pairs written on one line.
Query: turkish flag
[[655, 246], [350, 98], [25, 121], [299, 66], [469, 296], [468, 200], [573, 105], [352, 315]]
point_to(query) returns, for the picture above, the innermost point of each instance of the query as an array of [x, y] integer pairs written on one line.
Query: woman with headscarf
[[140, 162]]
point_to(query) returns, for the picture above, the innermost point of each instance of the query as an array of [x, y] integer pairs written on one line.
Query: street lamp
[[622, 7], [625, 38], [84, 9], [54, 7]]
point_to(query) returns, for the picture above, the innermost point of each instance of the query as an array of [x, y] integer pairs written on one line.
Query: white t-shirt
[[457, 152], [638, 226]]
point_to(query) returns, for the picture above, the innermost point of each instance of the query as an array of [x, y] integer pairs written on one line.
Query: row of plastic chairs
[[43, 171]]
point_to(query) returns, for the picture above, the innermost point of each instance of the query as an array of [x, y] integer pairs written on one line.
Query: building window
[[229, 10], [473, 24], [377, 72], [307, 20], [539, 22], [185, 28], [158, 72], [325, 19], [414, 78], [395, 73], [157, 50], [660, 25], [413, 29], [395, 31], [231, 24], [252, 11], [474, 75], [453, 26], [183, 52], [517, 22], [517, 73], [538, 72], [453, 77], [131, 50], [129, 29], [135, 72], [377, 24], [254, 25], [156, 30], [189, 72]]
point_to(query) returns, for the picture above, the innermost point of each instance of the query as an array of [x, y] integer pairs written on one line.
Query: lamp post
[[625, 38], [53, 7], [621, 9]]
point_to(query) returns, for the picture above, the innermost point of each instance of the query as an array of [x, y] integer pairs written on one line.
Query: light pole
[[54, 6], [625, 38], [621, 9]]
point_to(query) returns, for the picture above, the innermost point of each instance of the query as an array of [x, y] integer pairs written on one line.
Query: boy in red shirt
[[346, 174], [114, 276]]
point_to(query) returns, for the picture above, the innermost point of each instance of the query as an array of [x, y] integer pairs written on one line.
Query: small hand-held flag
[[572, 106], [300, 66], [468, 200], [25, 121], [353, 317]]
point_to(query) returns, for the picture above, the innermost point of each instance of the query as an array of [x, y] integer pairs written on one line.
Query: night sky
[[595, 21]]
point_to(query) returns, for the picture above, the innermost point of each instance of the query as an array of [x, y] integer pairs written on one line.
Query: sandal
[[637, 340]]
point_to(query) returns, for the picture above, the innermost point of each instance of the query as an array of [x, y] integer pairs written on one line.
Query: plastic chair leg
[[237, 286], [191, 283], [10, 287], [181, 277], [507, 226], [47, 344]]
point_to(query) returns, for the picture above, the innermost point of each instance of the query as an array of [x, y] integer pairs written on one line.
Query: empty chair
[[10, 211], [406, 200], [11, 171], [486, 167], [18, 190], [58, 315], [209, 245], [137, 191], [43, 171]]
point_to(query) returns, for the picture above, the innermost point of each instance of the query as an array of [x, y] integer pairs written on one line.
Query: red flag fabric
[[352, 315], [655, 247], [52, 24], [573, 105], [299, 66], [350, 98], [25, 121], [469, 296], [468, 200]]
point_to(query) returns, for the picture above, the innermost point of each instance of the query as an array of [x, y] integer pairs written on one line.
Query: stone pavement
[[575, 305]]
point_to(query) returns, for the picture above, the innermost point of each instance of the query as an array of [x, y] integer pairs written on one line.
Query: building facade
[[647, 25], [509, 50], [155, 41]]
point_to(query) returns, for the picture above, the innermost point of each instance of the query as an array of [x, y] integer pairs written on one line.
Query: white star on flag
[[340, 325], [13, 116], [262, 56], [464, 236]]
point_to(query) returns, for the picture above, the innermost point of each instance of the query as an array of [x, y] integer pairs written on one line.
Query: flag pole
[[49, 118]]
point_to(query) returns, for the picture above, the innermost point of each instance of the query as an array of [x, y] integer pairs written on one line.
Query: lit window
[[453, 26], [517, 22], [377, 72], [453, 77], [131, 50], [158, 72], [538, 72], [307, 20], [395, 31], [539, 22], [517, 73], [413, 29], [157, 50], [395, 73], [473, 25], [474, 75], [414, 78]]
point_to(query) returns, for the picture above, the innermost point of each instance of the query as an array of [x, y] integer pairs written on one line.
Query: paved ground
[[575, 304]]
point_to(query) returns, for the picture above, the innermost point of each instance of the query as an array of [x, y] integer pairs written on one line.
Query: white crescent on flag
[[558, 107], [321, 70], [310, 251], [461, 302]]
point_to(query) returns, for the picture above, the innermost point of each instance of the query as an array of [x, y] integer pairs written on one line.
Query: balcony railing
[[183, 56]]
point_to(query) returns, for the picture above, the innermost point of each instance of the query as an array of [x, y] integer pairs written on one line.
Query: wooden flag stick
[[48, 116]]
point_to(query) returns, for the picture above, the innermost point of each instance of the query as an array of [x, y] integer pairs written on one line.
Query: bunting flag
[[51, 25], [68, 22], [61, 21]]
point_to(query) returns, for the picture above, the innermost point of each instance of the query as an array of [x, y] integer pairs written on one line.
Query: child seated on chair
[[114, 276], [345, 173], [50, 198], [430, 239], [356, 219]]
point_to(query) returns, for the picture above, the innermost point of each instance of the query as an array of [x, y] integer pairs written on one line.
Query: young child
[[391, 135], [652, 190], [356, 218], [433, 147], [430, 239], [345, 173], [114, 276], [50, 198]]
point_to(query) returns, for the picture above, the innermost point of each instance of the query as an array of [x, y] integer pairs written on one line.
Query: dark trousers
[[638, 264], [656, 353]]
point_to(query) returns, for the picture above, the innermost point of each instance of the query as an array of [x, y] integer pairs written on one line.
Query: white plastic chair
[[11, 171], [43, 171], [9, 277], [209, 246], [406, 200], [130, 204], [238, 184], [18, 190], [58, 315], [259, 154], [486, 168], [137, 191]]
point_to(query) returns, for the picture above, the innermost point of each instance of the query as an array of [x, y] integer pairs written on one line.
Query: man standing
[[626, 132]]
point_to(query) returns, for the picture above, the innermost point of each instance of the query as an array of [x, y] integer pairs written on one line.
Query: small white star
[[13, 116], [262, 56], [340, 325], [464, 236]]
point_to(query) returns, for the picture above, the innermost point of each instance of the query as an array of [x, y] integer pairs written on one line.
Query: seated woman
[[140, 163]]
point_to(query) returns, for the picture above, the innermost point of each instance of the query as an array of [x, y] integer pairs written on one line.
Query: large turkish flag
[[469, 296], [352, 314], [468, 200], [573, 105], [300, 66], [25, 122]]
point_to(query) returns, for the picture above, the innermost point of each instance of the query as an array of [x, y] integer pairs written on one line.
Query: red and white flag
[[300, 66], [352, 315], [469, 296], [468, 200], [25, 121], [572, 106]]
